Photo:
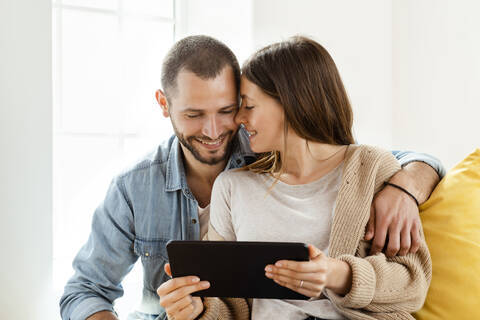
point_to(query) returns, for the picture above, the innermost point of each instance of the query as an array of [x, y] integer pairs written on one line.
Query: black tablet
[[235, 269]]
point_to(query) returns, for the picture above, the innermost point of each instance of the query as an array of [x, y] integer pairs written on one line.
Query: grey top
[[244, 207]]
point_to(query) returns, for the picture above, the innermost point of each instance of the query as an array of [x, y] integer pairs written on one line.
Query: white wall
[[229, 21], [436, 72], [358, 36], [411, 67], [25, 161], [356, 33]]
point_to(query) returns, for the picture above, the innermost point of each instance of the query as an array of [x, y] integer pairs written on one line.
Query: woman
[[311, 185]]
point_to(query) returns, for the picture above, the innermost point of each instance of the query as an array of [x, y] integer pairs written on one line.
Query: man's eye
[[192, 115], [226, 111]]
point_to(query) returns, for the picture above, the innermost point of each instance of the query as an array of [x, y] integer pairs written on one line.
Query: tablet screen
[[235, 269]]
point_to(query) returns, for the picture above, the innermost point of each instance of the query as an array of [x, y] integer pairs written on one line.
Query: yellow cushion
[[451, 222]]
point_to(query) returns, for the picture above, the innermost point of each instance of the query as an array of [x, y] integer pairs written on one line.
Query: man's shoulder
[[153, 160]]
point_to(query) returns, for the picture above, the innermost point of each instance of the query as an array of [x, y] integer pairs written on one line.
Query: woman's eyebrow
[[244, 96]]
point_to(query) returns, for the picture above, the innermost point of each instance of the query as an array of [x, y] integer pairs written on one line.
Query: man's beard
[[188, 143]]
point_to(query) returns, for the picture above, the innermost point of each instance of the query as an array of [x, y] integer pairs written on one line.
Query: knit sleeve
[[382, 284], [225, 309]]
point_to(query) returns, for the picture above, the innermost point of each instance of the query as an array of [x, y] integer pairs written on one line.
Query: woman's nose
[[240, 116]]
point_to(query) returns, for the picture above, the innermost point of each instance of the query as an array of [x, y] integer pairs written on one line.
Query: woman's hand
[[175, 296], [311, 277]]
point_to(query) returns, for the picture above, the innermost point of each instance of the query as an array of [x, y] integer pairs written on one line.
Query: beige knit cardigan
[[382, 288]]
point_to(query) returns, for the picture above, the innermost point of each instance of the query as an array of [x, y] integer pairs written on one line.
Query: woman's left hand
[[305, 277]]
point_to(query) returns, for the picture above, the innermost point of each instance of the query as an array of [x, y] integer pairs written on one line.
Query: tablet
[[235, 269]]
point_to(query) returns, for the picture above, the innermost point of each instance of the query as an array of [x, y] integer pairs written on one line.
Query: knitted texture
[[382, 288]]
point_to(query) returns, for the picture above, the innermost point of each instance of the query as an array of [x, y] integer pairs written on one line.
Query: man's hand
[[175, 296], [103, 315], [394, 214]]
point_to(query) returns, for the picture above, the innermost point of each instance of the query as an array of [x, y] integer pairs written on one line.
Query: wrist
[[103, 315], [405, 191], [339, 276], [418, 178], [404, 180]]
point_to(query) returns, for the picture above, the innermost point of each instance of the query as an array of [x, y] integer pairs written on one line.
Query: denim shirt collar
[[175, 175]]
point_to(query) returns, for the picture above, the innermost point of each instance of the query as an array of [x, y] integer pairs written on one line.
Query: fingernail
[[269, 269], [269, 275], [195, 279], [205, 284], [278, 264]]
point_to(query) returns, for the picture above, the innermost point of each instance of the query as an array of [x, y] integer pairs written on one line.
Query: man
[[166, 196]]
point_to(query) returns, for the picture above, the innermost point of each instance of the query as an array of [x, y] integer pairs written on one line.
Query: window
[[107, 60]]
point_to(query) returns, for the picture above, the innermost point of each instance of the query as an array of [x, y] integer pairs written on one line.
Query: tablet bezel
[[235, 268]]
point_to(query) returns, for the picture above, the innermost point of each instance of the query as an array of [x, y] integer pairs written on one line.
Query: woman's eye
[[249, 107]]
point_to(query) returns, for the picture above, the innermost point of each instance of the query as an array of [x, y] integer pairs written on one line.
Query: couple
[[310, 184], [305, 181]]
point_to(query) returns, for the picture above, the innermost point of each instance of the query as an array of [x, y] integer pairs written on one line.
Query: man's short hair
[[205, 56]]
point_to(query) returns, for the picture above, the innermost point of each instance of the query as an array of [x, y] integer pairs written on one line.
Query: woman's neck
[[306, 162]]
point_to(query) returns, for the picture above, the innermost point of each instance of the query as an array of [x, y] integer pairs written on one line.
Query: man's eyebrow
[[230, 106], [202, 110]]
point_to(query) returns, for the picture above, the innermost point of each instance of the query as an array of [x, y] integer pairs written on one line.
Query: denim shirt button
[[239, 161], [147, 254], [194, 221]]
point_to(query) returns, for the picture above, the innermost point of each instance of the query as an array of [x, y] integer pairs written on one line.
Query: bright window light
[[107, 62]]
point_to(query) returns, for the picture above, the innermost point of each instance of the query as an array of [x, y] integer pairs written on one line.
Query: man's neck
[[201, 171]]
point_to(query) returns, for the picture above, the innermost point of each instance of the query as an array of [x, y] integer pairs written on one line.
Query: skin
[[210, 100], [202, 110], [395, 213], [257, 114], [263, 117]]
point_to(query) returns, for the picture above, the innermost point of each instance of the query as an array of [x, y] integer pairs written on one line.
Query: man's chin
[[211, 157]]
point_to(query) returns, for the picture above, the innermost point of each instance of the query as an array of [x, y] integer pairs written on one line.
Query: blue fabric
[[406, 157], [144, 208]]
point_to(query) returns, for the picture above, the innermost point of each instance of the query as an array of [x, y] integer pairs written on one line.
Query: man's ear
[[162, 101]]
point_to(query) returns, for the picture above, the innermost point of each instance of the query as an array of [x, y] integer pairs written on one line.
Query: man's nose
[[212, 128]]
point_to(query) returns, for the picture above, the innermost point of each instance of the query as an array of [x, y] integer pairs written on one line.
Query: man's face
[[202, 112]]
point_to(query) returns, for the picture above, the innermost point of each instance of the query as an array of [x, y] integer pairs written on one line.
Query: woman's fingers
[[302, 290], [305, 277], [314, 277], [309, 284]]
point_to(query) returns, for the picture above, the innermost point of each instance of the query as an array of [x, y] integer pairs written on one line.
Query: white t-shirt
[[204, 217], [245, 208]]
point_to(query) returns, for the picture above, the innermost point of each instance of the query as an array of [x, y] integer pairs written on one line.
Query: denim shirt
[[144, 208]]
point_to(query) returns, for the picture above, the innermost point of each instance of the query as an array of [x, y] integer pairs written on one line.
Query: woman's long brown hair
[[302, 76]]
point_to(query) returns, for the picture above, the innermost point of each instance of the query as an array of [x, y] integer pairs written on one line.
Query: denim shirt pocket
[[153, 254]]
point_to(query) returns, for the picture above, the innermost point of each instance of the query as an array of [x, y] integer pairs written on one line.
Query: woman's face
[[262, 116]]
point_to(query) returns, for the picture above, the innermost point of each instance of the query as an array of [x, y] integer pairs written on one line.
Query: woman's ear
[[162, 101]]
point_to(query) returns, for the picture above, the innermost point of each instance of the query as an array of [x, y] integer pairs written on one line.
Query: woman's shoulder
[[237, 175], [370, 162], [363, 152]]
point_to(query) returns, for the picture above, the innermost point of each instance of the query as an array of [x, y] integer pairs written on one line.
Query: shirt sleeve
[[406, 157], [220, 209], [104, 260]]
